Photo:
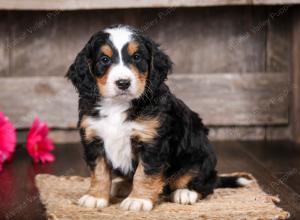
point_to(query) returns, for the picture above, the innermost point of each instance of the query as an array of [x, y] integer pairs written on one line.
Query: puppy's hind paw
[[184, 196], [92, 202], [136, 204]]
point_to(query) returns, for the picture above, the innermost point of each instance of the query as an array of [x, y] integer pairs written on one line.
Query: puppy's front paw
[[92, 202], [184, 196], [136, 204]]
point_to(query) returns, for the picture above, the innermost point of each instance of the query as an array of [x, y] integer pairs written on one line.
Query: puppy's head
[[119, 63]]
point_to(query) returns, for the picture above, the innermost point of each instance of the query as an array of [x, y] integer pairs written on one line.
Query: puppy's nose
[[123, 84]]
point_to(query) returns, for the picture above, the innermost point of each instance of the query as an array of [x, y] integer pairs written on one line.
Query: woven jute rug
[[60, 195]]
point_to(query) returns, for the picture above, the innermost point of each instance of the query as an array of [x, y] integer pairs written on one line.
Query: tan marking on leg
[[106, 49], [180, 182], [146, 186], [148, 129], [132, 47], [99, 192], [101, 180]]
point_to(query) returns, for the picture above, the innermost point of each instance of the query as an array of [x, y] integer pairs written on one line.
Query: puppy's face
[[120, 63]]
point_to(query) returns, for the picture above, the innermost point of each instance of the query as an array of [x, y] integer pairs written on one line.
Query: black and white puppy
[[132, 126]]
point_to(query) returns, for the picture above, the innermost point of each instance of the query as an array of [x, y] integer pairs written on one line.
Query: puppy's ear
[[160, 65], [80, 73]]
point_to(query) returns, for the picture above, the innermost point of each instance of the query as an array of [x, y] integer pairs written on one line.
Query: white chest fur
[[116, 133]]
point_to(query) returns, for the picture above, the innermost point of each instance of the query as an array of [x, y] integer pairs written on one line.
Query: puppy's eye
[[105, 60], [136, 57]]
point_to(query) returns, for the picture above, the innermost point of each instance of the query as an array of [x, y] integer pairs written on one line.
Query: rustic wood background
[[233, 65]]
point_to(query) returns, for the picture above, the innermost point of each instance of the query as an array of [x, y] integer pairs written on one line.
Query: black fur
[[181, 145]]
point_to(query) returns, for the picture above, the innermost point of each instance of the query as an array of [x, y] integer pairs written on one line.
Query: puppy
[[132, 126]]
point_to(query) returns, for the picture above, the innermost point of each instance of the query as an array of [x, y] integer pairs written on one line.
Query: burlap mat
[[60, 195]]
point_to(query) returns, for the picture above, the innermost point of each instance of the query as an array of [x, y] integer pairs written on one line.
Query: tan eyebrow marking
[[132, 47], [106, 49]]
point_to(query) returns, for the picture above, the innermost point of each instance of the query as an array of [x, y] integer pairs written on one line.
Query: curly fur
[[181, 145]]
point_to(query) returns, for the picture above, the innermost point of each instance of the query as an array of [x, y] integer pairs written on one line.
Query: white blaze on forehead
[[119, 36]]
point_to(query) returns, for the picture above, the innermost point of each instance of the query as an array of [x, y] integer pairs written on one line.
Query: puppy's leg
[[181, 194], [99, 191], [146, 189]]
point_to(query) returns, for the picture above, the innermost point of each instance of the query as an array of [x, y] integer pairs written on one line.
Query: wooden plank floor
[[275, 164]]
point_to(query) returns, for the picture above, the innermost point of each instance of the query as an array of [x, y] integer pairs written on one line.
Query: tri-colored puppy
[[132, 126]]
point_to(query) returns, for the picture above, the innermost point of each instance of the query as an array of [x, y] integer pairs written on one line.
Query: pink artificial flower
[[38, 143], [8, 139]]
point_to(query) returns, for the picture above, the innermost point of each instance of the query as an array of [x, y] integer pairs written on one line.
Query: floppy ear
[[80, 73], [161, 64]]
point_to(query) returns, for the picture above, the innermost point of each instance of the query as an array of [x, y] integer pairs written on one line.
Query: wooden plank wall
[[121, 4], [4, 52], [295, 110], [221, 99], [232, 64]]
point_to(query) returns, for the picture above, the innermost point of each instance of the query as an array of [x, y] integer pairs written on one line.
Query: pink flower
[[38, 143], [8, 139]]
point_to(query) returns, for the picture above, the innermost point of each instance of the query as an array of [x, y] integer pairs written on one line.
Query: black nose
[[123, 84]]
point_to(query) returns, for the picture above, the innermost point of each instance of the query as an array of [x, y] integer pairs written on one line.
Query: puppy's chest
[[116, 132]]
